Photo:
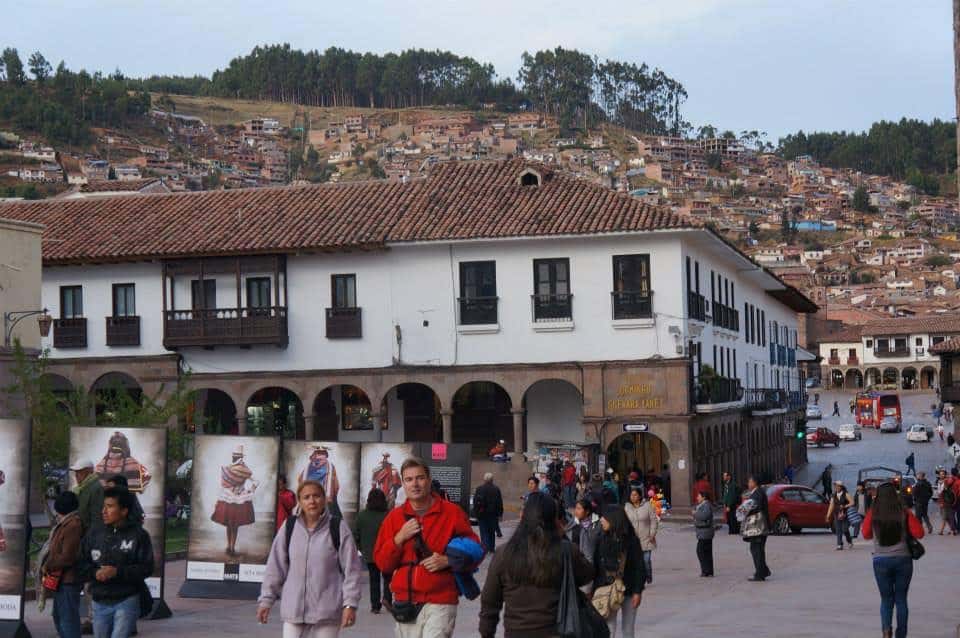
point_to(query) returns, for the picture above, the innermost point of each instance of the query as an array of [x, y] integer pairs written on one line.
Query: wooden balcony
[[833, 361], [70, 333], [225, 327], [892, 353], [344, 323], [123, 331]]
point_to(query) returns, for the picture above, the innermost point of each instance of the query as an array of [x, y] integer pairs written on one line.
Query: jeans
[[376, 598], [893, 574], [705, 555], [628, 618], [569, 495], [648, 565], [758, 551], [434, 621], [841, 527], [855, 529], [116, 620], [921, 509], [488, 532], [66, 610]]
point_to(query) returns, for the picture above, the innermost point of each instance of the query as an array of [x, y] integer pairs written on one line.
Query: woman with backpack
[[890, 525], [314, 569], [365, 530], [525, 576], [620, 574]]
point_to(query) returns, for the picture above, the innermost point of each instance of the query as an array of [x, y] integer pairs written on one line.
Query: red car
[[793, 507], [823, 436]]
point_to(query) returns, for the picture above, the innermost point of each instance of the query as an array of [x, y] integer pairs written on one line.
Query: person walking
[[286, 501], [59, 566], [922, 493], [840, 502], [855, 516], [889, 524], [488, 509], [611, 491], [755, 527], [645, 522], [584, 530], [525, 577], [826, 480], [618, 556], [411, 546], [940, 430], [89, 493], [314, 569], [365, 530], [730, 497], [948, 502], [703, 525], [836, 408], [911, 462], [568, 483], [116, 556]]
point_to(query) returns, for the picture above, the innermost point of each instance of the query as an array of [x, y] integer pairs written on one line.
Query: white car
[[849, 432], [814, 412], [917, 434]]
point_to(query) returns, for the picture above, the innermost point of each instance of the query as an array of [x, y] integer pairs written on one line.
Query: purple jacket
[[309, 586]]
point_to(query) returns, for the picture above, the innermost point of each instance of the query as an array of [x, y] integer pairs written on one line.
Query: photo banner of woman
[[233, 512], [380, 468], [334, 465], [14, 489], [140, 456]]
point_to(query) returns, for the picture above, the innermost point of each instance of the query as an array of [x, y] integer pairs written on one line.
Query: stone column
[[308, 426], [518, 446], [447, 416], [241, 424], [377, 426]]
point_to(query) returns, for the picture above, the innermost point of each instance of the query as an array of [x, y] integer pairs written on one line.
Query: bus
[[872, 407]]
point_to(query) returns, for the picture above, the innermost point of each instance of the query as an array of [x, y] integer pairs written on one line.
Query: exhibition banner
[[334, 465], [380, 467], [450, 465], [14, 490]]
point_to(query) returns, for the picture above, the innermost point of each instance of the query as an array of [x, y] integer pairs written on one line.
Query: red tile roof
[[936, 324], [118, 186], [949, 346]]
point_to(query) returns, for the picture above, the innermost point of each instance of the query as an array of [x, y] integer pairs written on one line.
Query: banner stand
[[219, 589], [14, 629], [160, 610]]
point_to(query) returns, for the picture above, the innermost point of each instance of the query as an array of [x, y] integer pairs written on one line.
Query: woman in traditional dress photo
[[234, 507], [119, 460]]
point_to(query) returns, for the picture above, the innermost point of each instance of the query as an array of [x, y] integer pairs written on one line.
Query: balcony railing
[[797, 400], [344, 323], [765, 398], [225, 326], [853, 361], [552, 308], [632, 304], [476, 311], [718, 390], [697, 306], [123, 331], [892, 353], [834, 361], [70, 333]]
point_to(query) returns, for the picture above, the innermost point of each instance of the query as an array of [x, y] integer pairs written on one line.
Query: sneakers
[[839, 548]]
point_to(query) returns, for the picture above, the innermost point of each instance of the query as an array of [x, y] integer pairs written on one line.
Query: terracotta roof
[[847, 334], [459, 200], [951, 345], [937, 324], [118, 186]]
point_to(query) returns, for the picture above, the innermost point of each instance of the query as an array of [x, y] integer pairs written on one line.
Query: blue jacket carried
[[464, 556]]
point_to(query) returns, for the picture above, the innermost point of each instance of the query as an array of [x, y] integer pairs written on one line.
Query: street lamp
[[11, 319]]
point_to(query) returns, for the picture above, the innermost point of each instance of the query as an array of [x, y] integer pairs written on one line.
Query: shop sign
[[636, 427]]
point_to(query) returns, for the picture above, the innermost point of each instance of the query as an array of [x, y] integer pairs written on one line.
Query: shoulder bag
[[608, 599], [576, 616], [406, 611], [915, 547]]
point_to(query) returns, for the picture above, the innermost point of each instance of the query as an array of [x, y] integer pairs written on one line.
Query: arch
[[273, 411], [416, 408], [836, 378], [909, 379], [341, 407], [872, 377], [56, 383], [890, 376], [553, 410], [213, 411], [853, 380], [481, 415], [113, 394], [637, 450], [928, 378]]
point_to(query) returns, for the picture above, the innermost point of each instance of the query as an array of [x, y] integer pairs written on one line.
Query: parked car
[[916, 433], [812, 382], [823, 436], [814, 412], [793, 507], [890, 424], [849, 432]]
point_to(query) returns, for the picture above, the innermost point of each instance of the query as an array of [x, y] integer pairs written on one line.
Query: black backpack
[[291, 522]]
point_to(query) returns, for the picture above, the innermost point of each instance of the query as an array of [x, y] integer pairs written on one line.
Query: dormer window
[[530, 177]]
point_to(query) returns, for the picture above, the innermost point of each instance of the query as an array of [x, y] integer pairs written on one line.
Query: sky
[[776, 66]]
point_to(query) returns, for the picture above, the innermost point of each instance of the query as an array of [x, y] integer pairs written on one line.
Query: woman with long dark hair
[[618, 555], [525, 575], [888, 523], [365, 530]]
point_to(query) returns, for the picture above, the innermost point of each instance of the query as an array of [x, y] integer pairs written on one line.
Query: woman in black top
[[525, 576], [618, 547]]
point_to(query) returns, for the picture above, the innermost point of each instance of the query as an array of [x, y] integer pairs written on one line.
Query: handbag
[[854, 516], [915, 547], [608, 599], [576, 616], [754, 525]]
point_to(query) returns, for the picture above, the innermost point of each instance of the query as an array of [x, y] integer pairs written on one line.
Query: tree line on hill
[[916, 152], [60, 104]]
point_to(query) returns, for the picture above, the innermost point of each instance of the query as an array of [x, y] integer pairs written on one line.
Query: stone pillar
[[377, 426], [241, 424], [518, 446], [308, 426], [447, 416]]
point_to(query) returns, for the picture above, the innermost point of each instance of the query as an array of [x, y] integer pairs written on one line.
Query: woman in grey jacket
[[703, 522], [643, 517], [318, 586]]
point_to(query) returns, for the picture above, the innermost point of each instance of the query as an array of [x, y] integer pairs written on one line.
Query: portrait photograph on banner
[[14, 483], [380, 467], [334, 465], [233, 506], [140, 456]]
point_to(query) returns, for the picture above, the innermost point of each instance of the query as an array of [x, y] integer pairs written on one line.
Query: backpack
[[949, 498], [291, 522], [479, 503]]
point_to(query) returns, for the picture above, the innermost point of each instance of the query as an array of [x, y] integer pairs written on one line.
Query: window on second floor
[[258, 292], [935, 340], [478, 292], [900, 344], [631, 287], [124, 300], [551, 288], [205, 300], [919, 341], [869, 343], [883, 345], [71, 302], [343, 291]]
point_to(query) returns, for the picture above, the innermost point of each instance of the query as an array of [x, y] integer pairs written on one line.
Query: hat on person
[[838, 482], [82, 464]]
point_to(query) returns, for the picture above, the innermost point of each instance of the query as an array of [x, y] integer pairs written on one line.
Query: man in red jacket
[[569, 483], [411, 546]]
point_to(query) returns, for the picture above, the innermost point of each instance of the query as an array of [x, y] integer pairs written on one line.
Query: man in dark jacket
[[922, 493], [730, 496], [488, 508], [826, 480], [116, 557]]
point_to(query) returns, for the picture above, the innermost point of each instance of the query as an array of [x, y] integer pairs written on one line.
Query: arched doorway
[[341, 407], [115, 394], [415, 408], [212, 412], [640, 452], [481, 416], [836, 378], [908, 379], [853, 379], [928, 378], [872, 377], [890, 376], [554, 413], [275, 411], [61, 388]]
